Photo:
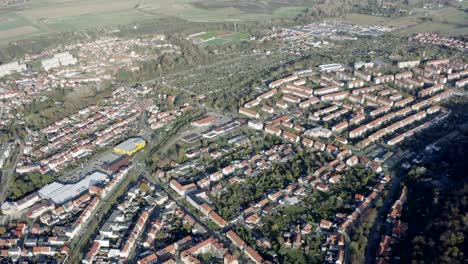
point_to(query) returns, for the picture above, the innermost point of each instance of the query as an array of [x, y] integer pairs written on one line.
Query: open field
[[48, 16], [51, 16], [19, 31]]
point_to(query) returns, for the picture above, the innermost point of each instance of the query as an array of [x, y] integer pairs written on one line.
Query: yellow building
[[130, 146]]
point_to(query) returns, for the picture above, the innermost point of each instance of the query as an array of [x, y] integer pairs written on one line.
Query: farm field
[[48, 16]]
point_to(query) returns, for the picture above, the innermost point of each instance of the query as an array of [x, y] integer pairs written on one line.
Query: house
[[236, 240], [352, 161], [340, 127], [253, 255], [324, 224], [217, 219], [273, 130], [248, 112], [252, 220], [205, 209], [204, 121], [180, 189]]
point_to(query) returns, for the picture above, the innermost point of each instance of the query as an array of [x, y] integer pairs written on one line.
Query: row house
[[340, 127], [335, 96], [367, 89], [342, 75], [248, 112], [461, 83], [384, 79], [403, 83], [281, 104], [404, 102], [379, 111], [431, 90], [326, 90], [408, 64], [415, 82], [362, 75], [438, 62], [280, 82], [426, 80], [403, 75], [309, 102], [355, 84], [273, 130], [291, 98]]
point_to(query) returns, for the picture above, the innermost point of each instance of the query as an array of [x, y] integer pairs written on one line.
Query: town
[[334, 135]]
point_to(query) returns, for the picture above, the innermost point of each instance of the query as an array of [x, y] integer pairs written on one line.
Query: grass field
[[216, 38], [47, 16], [208, 35]]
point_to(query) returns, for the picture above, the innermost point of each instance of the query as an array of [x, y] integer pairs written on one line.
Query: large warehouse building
[[130, 146], [60, 193]]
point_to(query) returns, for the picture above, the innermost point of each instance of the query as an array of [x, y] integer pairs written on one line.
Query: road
[[79, 242], [7, 173], [218, 234]]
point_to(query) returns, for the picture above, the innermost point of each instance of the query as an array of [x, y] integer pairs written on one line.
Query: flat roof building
[[130, 146]]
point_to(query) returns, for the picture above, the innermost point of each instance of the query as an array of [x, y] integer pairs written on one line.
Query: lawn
[[207, 35], [217, 41], [237, 36]]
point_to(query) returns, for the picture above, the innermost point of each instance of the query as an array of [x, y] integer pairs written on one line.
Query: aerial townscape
[[200, 131]]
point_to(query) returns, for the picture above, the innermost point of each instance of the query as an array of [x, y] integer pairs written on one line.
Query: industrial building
[[11, 67], [60, 193], [59, 59], [130, 146]]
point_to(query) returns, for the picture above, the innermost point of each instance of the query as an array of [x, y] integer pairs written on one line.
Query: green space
[[217, 41], [41, 17], [207, 35], [223, 39], [12, 20], [48, 16], [237, 36], [289, 11]]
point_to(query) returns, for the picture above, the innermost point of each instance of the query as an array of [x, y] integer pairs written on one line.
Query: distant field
[[445, 21], [46, 16], [18, 31]]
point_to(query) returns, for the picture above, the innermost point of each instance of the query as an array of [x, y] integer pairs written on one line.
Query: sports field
[[214, 38]]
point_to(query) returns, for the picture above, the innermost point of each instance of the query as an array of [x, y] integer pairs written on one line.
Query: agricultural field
[[13, 26], [38, 17], [49, 16]]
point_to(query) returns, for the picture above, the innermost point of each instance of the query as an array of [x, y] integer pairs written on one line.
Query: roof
[[60, 193], [129, 144], [232, 235]]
